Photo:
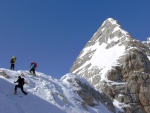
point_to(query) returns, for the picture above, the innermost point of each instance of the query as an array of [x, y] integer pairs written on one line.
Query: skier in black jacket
[[21, 82]]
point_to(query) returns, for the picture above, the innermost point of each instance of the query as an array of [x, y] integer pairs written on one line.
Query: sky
[[53, 32]]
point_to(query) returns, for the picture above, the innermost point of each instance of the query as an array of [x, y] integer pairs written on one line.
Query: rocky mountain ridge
[[114, 62]]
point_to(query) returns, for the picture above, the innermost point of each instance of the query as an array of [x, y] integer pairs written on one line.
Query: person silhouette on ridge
[[33, 66], [12, 61]]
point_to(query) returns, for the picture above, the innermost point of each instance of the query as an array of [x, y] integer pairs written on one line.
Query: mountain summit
[[114, 62], [103, 50]]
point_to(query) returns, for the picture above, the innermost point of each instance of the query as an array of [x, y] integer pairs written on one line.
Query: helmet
[[13, 57]]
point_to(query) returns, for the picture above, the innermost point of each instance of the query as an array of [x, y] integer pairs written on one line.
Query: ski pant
[[12, 66], [32, 70], [21, 87]]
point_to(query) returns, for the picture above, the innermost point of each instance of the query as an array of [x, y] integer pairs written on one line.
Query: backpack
[[13, 60], [22, 81], [35, 64]]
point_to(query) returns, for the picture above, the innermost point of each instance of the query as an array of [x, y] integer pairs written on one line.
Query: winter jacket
[[13, 60], [20, 81], [33, 65]]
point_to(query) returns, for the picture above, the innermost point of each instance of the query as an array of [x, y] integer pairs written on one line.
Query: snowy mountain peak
[[111, 20], [110, 41], [110, 33], [118, 65]]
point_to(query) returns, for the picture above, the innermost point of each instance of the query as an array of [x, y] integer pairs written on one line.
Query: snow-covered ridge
[[116, 26], [45, 94]]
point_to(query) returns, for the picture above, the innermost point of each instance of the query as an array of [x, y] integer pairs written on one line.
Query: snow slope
[[103, 49], [45, 95], [103, 58]]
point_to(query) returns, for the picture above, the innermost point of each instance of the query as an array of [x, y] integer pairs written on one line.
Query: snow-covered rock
[[114, 62]]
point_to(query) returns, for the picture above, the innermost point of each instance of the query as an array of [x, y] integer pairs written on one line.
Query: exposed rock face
[[4, 74], [91, 96], [128, 79]]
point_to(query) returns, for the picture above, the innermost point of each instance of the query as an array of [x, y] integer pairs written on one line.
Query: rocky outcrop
[[90, 96], [134, 72], [4, 74], [129, 80]]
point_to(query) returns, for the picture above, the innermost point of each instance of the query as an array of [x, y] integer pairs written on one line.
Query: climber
[[21, 82], [13, 60], [33, 66]]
